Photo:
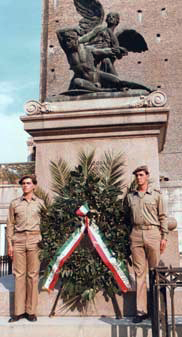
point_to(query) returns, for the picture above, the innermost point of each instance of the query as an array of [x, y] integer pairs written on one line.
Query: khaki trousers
[[145, 248], [26, 266]]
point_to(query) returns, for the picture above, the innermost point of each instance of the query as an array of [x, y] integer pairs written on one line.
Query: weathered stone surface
[[7, 193], [155, 99], [172, 192], [80, 327], [117, 124]]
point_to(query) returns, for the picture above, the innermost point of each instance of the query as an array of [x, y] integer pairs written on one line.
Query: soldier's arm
[[10, 229], [127, 213], [162, 217], [163, 223]]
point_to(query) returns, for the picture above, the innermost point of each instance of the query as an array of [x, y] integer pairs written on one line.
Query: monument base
[[134, 126]]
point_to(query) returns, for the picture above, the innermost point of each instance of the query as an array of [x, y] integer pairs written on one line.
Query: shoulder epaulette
[[157, 190]]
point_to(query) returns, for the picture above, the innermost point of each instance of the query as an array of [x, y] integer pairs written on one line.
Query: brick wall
[[160, 24]]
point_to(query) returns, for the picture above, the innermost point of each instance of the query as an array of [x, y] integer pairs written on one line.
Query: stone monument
[[86, 99]]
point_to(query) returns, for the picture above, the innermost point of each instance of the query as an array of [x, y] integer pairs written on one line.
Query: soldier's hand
[[10, 251], [163, 244]]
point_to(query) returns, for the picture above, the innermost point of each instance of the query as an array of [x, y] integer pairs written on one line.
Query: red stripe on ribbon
[[106, 261], [100, 252], [87, 221], [56, 274]]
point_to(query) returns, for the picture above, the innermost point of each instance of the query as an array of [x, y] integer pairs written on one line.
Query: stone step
[[46, 301], [100, 307], [80, 327]]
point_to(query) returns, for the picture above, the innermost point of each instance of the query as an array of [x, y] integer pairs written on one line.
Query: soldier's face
[[141, 178], [27, 186]]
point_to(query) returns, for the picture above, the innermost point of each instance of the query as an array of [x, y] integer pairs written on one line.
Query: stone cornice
[[121, 117], [155, 99]]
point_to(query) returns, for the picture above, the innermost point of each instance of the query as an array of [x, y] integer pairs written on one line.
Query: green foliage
[[40, 193], [84, 274], [61, 174]]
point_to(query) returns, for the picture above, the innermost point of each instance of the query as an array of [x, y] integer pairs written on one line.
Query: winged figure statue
[[92, 48]]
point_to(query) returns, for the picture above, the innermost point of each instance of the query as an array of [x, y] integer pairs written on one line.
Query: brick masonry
[[160, 24]]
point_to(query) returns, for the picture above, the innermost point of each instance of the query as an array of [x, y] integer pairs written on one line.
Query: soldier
[[23, 236], [146, 215]]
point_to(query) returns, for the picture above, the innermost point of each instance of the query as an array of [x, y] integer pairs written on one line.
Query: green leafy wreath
[[100, 184]]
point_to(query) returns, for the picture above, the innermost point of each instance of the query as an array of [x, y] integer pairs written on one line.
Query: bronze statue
[[92, 48], [82, 61], [104, 37]]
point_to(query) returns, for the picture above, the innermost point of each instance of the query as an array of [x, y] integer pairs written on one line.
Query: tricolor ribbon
[[61, 255], [116, 266]]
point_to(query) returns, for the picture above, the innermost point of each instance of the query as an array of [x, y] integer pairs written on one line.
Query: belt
[[30, 232], [145, 227]]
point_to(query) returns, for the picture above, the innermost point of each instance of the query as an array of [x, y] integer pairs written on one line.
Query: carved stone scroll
[[155, 99], [34, 107]]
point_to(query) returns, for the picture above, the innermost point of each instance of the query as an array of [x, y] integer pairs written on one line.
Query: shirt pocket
[[133, 204], [135, 208], [20, 215], [151, 207]]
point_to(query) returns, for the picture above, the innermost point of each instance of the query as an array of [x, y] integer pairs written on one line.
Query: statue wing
[[132, 41], [92, 14]]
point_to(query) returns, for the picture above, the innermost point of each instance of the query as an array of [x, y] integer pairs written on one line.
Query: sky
[[20, 27]]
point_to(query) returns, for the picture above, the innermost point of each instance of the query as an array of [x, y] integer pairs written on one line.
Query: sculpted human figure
[[92, 49], [104, 37], [82, 60]]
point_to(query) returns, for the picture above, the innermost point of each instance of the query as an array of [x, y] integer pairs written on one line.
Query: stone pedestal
[[134, 126]]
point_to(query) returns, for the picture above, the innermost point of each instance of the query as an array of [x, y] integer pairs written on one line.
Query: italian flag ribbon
[[61, 255], [116, 266], [83, 210]]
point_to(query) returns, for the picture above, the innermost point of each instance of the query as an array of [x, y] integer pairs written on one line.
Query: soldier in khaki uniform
[[145, 213], [23, 236]]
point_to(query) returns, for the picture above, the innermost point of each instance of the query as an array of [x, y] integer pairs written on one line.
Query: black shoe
[[139, 318], [31, 318], [16, 318]]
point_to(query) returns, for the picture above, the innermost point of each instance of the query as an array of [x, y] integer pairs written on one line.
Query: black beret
[[141, 168]]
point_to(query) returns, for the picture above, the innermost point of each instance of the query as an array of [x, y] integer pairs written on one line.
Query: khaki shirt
[[23, 216], [146, 209]]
